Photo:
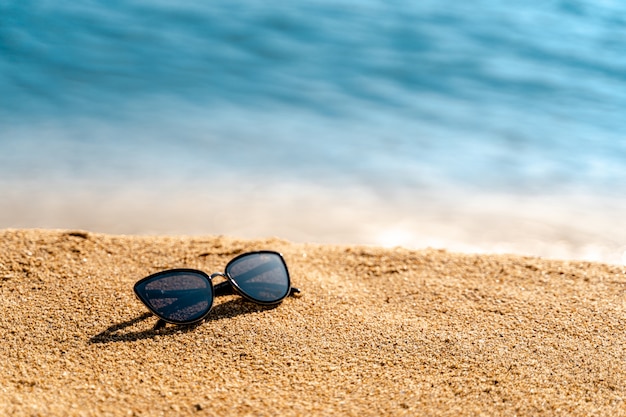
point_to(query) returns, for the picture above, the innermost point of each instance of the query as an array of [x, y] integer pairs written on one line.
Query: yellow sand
[[375, 332]]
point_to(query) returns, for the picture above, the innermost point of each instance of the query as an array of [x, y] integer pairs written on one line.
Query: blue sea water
[[485, 126]]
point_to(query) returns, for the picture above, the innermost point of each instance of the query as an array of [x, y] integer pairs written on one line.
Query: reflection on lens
[[177, 296], [262, 276]]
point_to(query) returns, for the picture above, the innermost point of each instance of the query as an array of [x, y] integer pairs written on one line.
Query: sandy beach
[[374, 332]]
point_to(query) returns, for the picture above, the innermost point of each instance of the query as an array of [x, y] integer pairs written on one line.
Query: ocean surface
[[481, 127]]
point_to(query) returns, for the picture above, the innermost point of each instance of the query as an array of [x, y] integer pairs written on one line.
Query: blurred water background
[[483, 126]]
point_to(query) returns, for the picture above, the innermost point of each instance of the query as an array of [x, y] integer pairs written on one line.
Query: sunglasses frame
[[227, 287]]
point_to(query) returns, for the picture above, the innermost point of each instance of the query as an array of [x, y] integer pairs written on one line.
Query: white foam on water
[[559, 227]]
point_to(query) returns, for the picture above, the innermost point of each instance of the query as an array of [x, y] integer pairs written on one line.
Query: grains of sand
[[374, 332]]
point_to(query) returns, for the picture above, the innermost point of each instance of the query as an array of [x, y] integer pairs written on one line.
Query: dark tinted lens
[[177, 296], [261, 276]]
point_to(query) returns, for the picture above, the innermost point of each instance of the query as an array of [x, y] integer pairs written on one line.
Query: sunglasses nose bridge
[[217, 274]]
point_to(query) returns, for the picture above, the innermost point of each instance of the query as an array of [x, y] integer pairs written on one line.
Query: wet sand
[[374, 332]]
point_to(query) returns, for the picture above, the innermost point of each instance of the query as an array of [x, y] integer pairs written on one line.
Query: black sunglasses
[[185, 296]]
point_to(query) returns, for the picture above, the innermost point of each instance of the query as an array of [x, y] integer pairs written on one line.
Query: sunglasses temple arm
[[225, 288]]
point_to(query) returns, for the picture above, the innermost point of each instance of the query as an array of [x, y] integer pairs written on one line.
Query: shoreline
[[568, 226], [375, 332]]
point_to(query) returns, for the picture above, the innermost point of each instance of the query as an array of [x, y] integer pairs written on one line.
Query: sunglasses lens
[[177, 296], [262, 276]]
